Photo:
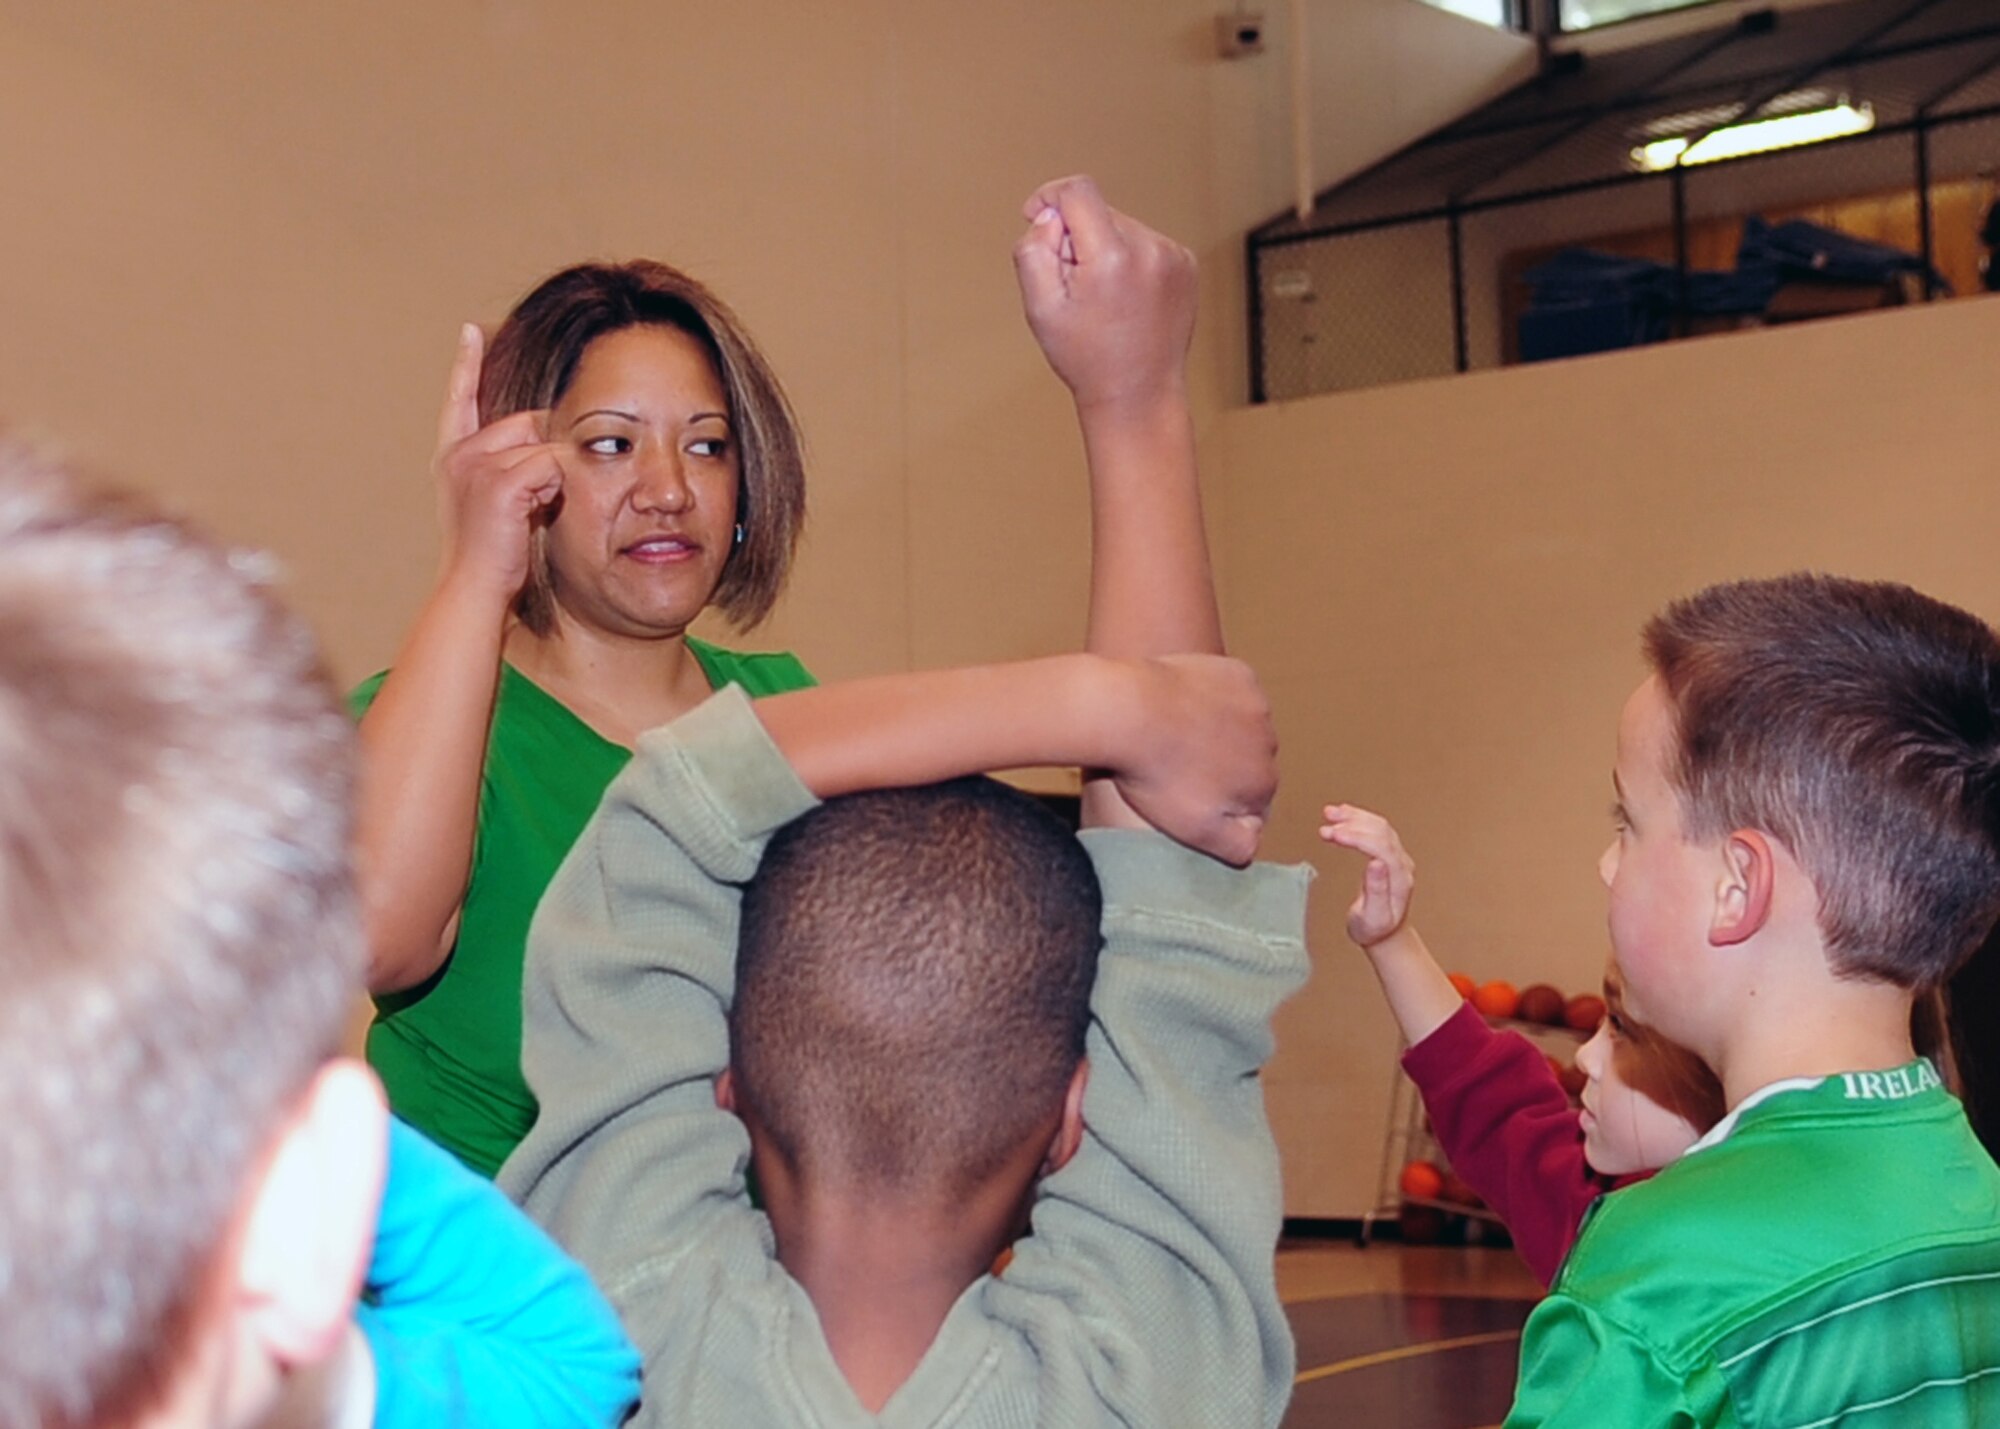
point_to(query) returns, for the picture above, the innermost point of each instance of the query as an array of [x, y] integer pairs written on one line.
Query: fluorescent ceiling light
[[1715, 116], [1786, 131]]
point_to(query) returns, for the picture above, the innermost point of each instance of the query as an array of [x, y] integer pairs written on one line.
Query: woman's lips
[[663, 550]]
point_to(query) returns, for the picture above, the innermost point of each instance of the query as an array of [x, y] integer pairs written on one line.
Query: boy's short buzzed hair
[[1859, 723], [181, 942], [913, 983]]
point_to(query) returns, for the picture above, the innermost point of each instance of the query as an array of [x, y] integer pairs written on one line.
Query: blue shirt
[[475, 1317]]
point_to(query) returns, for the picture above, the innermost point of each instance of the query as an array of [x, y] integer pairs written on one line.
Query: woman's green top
[[449, 1049]]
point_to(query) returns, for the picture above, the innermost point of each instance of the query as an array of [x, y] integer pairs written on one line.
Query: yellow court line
[[1404, 1352]]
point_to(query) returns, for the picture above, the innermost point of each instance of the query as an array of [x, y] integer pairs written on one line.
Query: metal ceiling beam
[[1721, 40], [1455, 132], [1849, 53], [1975, 72], [1437, 213], [1650, 94]]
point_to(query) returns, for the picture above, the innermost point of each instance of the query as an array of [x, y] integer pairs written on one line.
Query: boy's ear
[[1069, 1128], [1743, 893], [311, 1217]]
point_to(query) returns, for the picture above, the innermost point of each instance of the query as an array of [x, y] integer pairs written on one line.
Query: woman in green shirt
[[618, 461]]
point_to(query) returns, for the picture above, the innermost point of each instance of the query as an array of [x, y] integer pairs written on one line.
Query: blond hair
[[181, 941]]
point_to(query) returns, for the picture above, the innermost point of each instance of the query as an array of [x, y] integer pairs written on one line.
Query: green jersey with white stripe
[[1828, 1255]]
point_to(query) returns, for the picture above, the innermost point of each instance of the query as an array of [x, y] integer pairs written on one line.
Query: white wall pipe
[[1302, 165]]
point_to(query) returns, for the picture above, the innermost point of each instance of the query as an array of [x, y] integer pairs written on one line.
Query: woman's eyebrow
[[620, 412]]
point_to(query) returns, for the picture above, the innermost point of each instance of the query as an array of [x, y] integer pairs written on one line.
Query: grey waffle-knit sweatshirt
[[1143, 1297]]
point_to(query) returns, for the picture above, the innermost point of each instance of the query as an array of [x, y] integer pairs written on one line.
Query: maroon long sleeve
[[1510, 1133]]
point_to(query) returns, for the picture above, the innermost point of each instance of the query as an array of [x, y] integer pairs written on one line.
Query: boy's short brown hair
[[1859, 723], [181, 945], [533, 357]]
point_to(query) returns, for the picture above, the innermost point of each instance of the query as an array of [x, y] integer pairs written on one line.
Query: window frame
[[1515, 16], [1666, 7]]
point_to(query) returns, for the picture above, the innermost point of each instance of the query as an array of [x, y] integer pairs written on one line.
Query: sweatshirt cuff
[[1457, 1040], [1266, 901], [724, 752]]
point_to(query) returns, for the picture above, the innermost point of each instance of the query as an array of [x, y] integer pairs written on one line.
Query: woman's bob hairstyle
[[532, 359]]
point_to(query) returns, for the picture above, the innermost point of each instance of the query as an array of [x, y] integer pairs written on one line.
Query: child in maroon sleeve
[[1502, 1117]]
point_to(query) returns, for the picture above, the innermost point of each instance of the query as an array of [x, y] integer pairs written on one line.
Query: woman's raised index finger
[[459, 418], [516, 429]]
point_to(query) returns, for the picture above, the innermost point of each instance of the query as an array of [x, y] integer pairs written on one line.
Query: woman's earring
[[739, 533]]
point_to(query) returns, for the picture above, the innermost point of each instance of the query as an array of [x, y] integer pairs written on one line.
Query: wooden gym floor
[[1414, 1337]]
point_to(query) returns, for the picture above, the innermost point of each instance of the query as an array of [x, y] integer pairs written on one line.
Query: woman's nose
[[661, 485]]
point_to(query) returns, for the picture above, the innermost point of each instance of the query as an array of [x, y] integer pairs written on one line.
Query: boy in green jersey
[[1808, 812]]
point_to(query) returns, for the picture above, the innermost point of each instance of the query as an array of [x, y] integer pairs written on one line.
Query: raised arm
[[1504, 1121], [424, 736], [1151, 1258], [1112, 304], [1420, 995], [1148, 1284]]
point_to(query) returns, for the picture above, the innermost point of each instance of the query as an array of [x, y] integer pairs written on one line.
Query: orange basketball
[[1497, 999], [1465, 985], [1421, 1181]]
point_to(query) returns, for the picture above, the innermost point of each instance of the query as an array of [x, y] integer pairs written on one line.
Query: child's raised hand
[[1382, 906], [1110, 301]]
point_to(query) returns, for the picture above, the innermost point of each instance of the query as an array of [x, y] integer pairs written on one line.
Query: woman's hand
[[424, 738], [493, 481]]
